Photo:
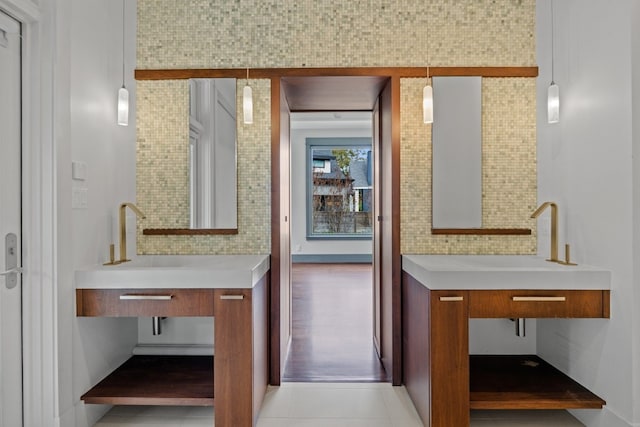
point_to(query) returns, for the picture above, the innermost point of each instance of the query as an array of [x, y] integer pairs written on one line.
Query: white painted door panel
[[10, 222]]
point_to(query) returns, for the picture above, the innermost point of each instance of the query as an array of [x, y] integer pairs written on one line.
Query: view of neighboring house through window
[[339, 188]]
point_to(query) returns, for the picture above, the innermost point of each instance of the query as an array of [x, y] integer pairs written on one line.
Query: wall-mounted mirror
[[457, 153], [212, 154]]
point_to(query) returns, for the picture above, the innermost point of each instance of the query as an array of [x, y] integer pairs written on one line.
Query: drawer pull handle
[[451, 299], [540, 299], [146, 297], [231, 297]]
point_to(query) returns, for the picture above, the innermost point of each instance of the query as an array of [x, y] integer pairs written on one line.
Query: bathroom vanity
[[439, 296], [233, 289]]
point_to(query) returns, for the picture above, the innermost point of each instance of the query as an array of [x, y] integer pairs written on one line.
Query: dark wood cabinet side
[[233, 386], [449, 349], [416, 357], [241, 366], [436, 353]]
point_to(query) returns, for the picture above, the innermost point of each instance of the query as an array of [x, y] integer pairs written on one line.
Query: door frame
[[39, 297], [390, 277]]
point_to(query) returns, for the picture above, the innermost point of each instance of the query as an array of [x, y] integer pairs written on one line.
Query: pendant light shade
[[427, 104], [553, 93], [553, 103], [123, 106], [247, 104]]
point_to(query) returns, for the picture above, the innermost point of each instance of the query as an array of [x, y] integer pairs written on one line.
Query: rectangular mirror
[[212, 154], [457, 152]]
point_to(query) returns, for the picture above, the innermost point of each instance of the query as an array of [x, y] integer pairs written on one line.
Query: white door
[[10, 224]]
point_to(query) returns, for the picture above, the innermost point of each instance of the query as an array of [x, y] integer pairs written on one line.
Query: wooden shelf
[[157, 380], [482, 231], [525, 382]]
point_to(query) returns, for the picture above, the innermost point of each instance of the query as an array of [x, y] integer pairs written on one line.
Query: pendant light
[[247, 102], [123, 93], [427, 102], [427, 92], [553, 93]]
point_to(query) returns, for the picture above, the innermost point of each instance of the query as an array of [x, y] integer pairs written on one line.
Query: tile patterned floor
[[329, 405]]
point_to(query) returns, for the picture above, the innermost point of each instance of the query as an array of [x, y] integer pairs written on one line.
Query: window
[[339, 188]]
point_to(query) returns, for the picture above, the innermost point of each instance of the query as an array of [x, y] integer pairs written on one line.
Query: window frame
[[327, 144]]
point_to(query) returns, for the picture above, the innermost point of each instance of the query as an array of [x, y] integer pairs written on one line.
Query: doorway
[[331, 240], [10, 223], [337, 93]]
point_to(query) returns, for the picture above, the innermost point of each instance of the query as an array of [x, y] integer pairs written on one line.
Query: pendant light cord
[[123, 24], [552, 46]]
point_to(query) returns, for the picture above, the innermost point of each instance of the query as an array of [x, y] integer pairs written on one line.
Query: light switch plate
[[80, 198], [79, 171]]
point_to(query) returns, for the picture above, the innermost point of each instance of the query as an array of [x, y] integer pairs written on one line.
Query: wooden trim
[[188, 231], [275, 370], [482, 231], [276, 73], [396, 378]]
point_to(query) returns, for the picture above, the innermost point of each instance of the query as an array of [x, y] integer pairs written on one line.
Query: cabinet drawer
[[530, 303], [144, 302]]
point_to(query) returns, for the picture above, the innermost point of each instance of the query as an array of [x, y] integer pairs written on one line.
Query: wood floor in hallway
[[332, 321]]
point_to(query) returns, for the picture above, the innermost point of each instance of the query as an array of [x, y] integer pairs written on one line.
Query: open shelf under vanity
[[157, 380], [524, 382]]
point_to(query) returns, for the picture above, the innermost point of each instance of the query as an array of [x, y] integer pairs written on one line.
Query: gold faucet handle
[[567, 256], [112, 255]]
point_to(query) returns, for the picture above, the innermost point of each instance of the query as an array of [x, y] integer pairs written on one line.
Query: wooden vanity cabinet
[[439, 373], [239, 374]]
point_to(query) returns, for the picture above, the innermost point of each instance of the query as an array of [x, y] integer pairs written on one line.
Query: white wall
[[585, 164], [299, 243], [88, 73], [635, 46]]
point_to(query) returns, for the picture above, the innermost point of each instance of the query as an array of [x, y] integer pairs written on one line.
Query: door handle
[[11, 261], [15, 270]]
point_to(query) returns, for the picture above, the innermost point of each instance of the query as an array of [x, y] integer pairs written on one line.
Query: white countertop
[[470, 272], [176, 271]]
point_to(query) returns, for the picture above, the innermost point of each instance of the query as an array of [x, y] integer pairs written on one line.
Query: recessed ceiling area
[[348, 93], [361, 120]]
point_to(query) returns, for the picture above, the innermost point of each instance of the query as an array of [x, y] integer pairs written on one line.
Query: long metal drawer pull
[[146, 297], [450, 299], [231, 296], [540, 299]]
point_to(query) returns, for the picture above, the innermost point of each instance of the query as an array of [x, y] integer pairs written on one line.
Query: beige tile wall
[[162, 174], [336, 33], [508, 171]]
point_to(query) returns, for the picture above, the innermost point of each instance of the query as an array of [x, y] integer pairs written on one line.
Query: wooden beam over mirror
[[267, 73]]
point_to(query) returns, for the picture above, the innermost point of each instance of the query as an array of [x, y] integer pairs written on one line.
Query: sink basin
[[501, 272], [176, 271]]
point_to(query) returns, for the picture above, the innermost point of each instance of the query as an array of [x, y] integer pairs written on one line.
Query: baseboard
[[332, 258], [173, 350]]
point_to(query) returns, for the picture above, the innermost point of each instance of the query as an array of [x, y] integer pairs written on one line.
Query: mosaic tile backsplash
[[336, 33], [508, 171], [163, 177]]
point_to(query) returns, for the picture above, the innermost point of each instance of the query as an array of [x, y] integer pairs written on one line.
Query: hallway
[[332, 317]]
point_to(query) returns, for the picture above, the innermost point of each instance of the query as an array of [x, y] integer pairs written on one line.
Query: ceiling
[[352, 93]]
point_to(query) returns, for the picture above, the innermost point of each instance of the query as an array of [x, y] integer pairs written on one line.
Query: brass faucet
[[123, 229], [554, 228]]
